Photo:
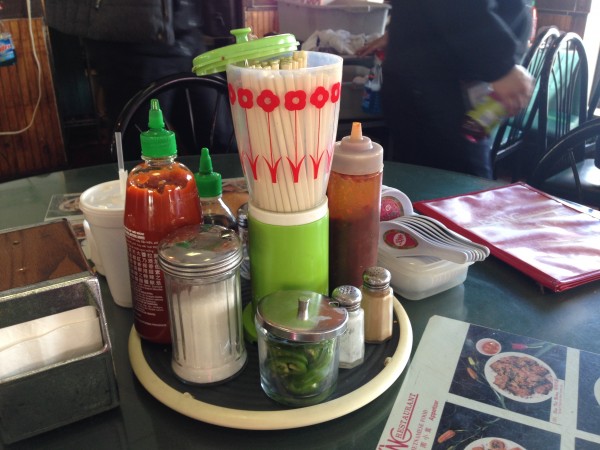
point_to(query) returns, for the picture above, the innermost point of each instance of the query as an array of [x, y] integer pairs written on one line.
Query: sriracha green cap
[[157, 142], [208, 182]]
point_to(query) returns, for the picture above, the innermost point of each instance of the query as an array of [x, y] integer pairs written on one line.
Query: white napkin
[[48, 340]]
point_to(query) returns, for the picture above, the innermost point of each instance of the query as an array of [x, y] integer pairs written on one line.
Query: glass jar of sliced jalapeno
[[298, 349]]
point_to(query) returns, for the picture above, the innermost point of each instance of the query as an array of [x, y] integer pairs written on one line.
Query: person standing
[[130, 45], [433, 49]]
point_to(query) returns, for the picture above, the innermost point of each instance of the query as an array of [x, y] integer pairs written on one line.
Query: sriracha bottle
[[161, 196]]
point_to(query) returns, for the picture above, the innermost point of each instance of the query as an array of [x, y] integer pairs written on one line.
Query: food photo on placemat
[[524, 375]]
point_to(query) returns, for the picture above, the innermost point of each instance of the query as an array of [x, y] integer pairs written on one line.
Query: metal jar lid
[[347, 296], [196, 251], [302, 316]]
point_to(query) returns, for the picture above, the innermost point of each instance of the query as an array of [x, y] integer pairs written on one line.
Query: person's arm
[[485, 45], [514, 89]]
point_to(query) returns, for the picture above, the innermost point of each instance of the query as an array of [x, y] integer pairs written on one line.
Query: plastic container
[[201, 268], [480, 121], [354, 16], [161, 196], [418, 277], [242, 221], [354, 194], [210, 190], [8, 55], [298, 346]]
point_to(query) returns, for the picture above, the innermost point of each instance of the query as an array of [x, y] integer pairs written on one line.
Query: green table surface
[[494, 295]]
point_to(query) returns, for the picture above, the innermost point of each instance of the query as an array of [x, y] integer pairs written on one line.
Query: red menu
[[554, 242], [470, 387]]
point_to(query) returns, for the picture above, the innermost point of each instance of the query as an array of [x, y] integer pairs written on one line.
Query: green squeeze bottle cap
[[157, 142], [208, 182]]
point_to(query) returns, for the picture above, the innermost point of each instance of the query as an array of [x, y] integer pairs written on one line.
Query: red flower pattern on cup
[[335, 92], [318, 98], [246, 98], [293, 101], [246, 101], [231, 93], [268, 101]]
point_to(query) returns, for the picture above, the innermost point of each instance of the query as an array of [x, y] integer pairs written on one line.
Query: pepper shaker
[[378, 304], [352, 342]]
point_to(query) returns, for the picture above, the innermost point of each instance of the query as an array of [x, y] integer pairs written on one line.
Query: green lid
[[208, 182], [157, 142], [244, 50]]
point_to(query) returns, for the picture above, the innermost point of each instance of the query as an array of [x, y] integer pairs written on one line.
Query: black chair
[[594, 101], [512, 132], [195, 108], [580, 182], [593, 105], [563, 92]]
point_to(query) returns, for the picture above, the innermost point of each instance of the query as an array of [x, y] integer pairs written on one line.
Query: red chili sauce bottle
[[354, 195], [161, 196]]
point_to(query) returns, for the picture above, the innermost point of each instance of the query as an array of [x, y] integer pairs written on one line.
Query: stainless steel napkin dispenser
[[44, 275]]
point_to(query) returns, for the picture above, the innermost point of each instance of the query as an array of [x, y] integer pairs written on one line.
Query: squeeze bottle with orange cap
[[354, 194]]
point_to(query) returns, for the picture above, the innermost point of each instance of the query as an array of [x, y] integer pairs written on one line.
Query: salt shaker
[[352, 342], [378, 304], [201, 270], [242, 221]]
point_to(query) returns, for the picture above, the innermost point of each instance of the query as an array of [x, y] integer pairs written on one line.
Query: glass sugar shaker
[[201, 270], [378, 304], [242, 221], [352, 342]]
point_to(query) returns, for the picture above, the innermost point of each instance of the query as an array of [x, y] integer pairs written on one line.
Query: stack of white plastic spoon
[[416, 235]]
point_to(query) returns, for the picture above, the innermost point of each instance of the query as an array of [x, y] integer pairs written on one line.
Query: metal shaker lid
[[302, 316], [202, 250], [377, 278], [347, 296]]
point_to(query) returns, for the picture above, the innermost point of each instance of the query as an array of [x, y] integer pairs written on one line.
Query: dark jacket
[[461, 39], [172, 24]]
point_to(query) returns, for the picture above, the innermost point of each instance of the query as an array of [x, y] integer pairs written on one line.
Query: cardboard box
[[46, 273]]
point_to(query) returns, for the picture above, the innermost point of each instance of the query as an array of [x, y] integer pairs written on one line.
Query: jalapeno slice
[[302, 369]]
